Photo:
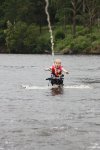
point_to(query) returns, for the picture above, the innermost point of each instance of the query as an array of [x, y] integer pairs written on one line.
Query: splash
[[49, 25], [77, 87], [31, 87]]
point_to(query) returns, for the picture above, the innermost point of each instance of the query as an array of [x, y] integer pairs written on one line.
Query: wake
[[78, 87], [30, 87]]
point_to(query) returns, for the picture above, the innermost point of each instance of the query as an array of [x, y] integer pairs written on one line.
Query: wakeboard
[[56, 81]]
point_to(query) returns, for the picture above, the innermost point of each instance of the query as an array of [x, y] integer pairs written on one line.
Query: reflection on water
[[57, 91], [35, 116]]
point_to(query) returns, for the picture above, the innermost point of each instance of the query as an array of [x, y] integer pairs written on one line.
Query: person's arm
[[47, 69], [65, 71]]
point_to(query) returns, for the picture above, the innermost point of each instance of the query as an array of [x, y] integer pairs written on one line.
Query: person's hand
[[47, 69], [67, 72]]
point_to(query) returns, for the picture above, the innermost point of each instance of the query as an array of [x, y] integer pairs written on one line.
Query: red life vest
[[56, 71]]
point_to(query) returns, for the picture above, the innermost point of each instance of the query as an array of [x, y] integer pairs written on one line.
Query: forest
[[75, 25]]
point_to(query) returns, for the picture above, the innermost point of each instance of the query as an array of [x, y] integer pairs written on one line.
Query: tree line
[[23, 24]]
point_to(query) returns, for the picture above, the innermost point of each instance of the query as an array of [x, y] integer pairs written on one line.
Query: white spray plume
[[49, 25]]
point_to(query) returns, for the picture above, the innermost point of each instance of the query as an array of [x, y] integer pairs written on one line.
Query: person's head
[[57, 63]]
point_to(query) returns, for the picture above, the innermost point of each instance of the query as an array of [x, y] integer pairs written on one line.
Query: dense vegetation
[[75, 24]]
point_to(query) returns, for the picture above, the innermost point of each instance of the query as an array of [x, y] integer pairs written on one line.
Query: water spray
[[50, 29]]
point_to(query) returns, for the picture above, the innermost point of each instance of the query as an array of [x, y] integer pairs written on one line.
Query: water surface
[[33, 116]]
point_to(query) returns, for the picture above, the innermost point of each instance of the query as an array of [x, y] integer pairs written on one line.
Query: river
[[33, 116]]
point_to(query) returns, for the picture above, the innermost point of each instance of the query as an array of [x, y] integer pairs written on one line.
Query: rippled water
[[33, 116]]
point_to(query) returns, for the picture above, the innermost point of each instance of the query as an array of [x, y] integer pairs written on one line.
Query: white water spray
[[49, 25], [32, 87]]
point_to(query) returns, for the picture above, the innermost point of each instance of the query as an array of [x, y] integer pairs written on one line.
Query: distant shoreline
[[56, 53]]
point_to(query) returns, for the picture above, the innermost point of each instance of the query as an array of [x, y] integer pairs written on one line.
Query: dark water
[[35, 117]]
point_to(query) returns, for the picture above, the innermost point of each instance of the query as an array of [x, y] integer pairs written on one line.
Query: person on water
[[57, 69]]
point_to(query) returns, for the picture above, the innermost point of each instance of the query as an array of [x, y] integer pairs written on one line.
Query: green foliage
[[82, 31], [79, 44], [59, 45], [21, 38], [63, 44], [27, 30], [96, 46], [30, 39], [96, 43], [84, 42], [2, 37], [44, 44], [15, 35], [59, 35]]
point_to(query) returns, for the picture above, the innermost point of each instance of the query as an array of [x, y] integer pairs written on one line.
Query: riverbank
[[31, 41], [85, 42]]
